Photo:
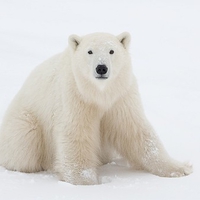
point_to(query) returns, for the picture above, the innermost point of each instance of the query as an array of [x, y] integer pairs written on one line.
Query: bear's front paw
[[183, 170], [81, 177]]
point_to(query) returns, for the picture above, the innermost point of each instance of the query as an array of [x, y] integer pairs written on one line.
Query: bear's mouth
[[101, 77]]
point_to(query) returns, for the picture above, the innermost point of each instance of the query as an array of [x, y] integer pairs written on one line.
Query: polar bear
[[76, 109]]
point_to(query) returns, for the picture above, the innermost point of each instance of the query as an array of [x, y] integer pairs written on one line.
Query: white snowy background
[[165, 52]]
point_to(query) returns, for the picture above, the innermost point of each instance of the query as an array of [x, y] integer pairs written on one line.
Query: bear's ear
[[125, 39], [74, 41]]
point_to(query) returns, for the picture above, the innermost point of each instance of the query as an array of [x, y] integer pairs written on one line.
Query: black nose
[[101, 69]]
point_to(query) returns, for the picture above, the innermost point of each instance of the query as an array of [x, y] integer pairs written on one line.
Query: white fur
[[66, 120]]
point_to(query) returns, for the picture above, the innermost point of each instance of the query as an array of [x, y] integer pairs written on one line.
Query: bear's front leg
[[77, 146], [127, 129]]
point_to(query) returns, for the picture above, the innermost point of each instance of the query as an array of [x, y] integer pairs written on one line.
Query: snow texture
[[165, 52]]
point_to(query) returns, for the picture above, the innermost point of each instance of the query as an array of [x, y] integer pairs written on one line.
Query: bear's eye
[[111, 52], [90, 52]]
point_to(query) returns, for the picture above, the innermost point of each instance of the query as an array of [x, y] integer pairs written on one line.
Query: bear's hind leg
[[21, 144]]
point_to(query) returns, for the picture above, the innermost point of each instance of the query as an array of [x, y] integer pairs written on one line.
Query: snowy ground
[[166, 60]]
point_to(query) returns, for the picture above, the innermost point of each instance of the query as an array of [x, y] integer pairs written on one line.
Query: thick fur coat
[[79, 107]]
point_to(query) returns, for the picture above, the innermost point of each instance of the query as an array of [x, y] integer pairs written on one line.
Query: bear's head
[[101, 65]]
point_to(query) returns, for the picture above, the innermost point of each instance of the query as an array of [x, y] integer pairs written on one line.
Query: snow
[[89, 174], [165, 53]]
